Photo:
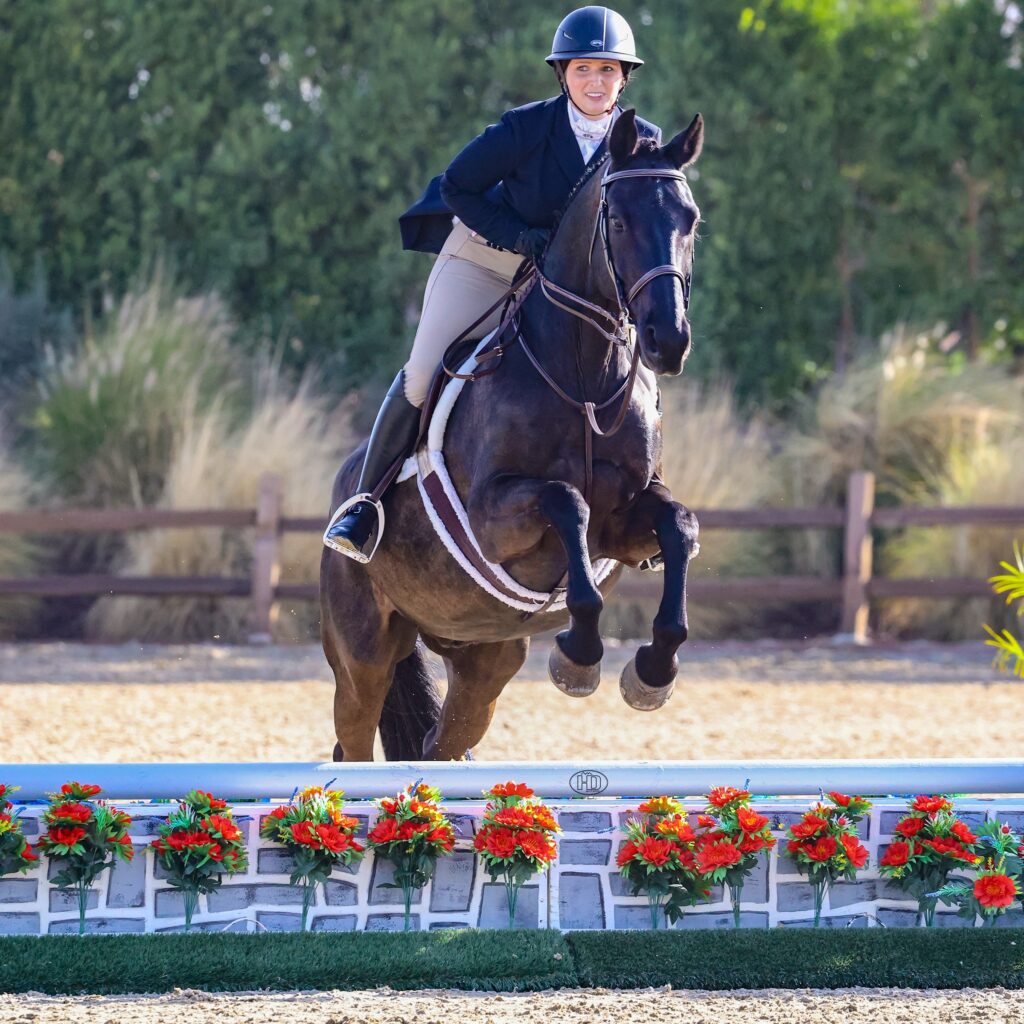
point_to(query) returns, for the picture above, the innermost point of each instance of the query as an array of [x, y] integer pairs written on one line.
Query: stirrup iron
[[350, 552]]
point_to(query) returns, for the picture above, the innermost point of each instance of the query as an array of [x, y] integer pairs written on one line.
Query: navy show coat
[[517, 174]]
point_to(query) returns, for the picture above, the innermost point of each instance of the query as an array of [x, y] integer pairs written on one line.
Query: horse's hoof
[[637, 694], [338, 754], [575, 680]]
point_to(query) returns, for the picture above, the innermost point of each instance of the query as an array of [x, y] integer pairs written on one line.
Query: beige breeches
[[467, 278]]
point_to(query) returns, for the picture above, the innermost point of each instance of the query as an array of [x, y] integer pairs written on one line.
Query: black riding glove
[[533, 242]]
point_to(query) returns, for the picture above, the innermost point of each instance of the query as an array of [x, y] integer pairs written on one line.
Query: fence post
[[266, 561], [857, 552]]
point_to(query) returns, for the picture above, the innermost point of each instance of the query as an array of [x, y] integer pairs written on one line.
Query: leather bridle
[[622, 331]]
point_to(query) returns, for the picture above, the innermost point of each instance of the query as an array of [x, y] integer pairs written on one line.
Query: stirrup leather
[[358, 556]]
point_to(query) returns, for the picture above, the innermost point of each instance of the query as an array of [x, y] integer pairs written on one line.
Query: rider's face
[[593, 84]]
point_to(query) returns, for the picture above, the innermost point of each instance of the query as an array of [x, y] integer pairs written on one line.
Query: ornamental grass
[[197, 845], [19, 553], [83, 836], [317, 833], [515, 839], [733, 838], [933, 843], [411, 833], [658, 859], [15, 850], [825, 846]]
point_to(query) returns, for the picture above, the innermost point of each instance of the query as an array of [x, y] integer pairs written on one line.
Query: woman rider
[[504, 189]]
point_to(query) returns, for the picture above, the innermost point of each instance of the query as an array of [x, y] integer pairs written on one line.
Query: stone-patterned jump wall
[[582, 890]]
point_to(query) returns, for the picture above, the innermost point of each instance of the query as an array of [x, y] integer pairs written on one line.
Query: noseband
[[622, 327]]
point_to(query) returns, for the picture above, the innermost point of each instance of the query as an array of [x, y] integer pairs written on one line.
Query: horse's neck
[[568, 264]]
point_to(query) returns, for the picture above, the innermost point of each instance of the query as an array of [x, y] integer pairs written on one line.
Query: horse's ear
[[684, 149], [625, 137]]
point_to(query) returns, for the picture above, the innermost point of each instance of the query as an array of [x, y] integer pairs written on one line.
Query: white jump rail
[[550, 779]]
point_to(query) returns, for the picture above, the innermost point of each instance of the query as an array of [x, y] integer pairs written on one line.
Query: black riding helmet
[[594, 32]]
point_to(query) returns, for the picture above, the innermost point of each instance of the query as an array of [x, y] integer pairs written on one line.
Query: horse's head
[[651, 225]]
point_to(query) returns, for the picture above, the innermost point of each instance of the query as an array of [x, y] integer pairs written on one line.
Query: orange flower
[[212, 801], [995, 890], [677, 827], [385, 831], [72, 812], [661, 805], [909, 827], [301, 834], [543, 818], [897, 855], [749, 820], [225, 826], [535, 844], [78, 791], [443, 837], [655, 851], [511, 789], [332, 838], [931, 804], [810, 825], [751, 844], [963, 833], [66, 836], [717, 855], [822, 849], [706, 821], [721, 796], [501, 842], [514, 817], [344, 821], [856, 852], [626, 853]]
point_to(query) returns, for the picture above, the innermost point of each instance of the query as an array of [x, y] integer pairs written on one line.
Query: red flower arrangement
[[658, 859], [825, 846], [319, 836], [83, 836], [198, 844], [932, 843], [15, 850], [734, 836], [411, 832], [992, 893], [516, 838]]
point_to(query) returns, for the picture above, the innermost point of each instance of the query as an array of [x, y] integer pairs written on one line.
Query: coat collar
[[567, 149]]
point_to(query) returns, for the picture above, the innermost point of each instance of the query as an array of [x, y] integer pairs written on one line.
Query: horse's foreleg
[[647, 681], [510, 518], [476, 676], [575, 662]]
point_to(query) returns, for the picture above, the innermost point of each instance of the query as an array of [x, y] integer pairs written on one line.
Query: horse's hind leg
[[476, 676], [647, 681], [364, 638]]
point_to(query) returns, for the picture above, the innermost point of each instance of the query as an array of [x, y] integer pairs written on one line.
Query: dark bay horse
[[515, 451]]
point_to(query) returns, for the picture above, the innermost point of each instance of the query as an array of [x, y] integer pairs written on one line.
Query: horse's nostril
[[653, 348]]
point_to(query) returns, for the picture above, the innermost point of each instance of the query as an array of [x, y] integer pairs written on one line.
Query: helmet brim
[[622, 58]]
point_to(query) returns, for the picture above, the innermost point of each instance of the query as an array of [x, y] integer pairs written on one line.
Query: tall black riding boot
[[394, 433]]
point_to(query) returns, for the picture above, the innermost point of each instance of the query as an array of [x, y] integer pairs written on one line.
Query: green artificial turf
[[802, 958], [485, 960], [516, 961]]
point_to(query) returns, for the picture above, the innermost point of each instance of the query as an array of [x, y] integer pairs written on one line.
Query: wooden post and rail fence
[[853, 590]]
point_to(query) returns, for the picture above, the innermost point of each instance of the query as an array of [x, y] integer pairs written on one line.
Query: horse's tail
[[411, 709]]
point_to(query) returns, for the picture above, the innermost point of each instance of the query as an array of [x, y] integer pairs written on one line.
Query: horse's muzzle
[[663, 350]]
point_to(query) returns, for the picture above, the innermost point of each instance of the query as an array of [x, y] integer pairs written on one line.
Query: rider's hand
[[533, 242]]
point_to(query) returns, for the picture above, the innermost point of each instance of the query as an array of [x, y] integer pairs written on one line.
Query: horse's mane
[[588, 173], [645, 146]]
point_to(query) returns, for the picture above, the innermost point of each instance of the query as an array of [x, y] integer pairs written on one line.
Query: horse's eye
[[616, 224]]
